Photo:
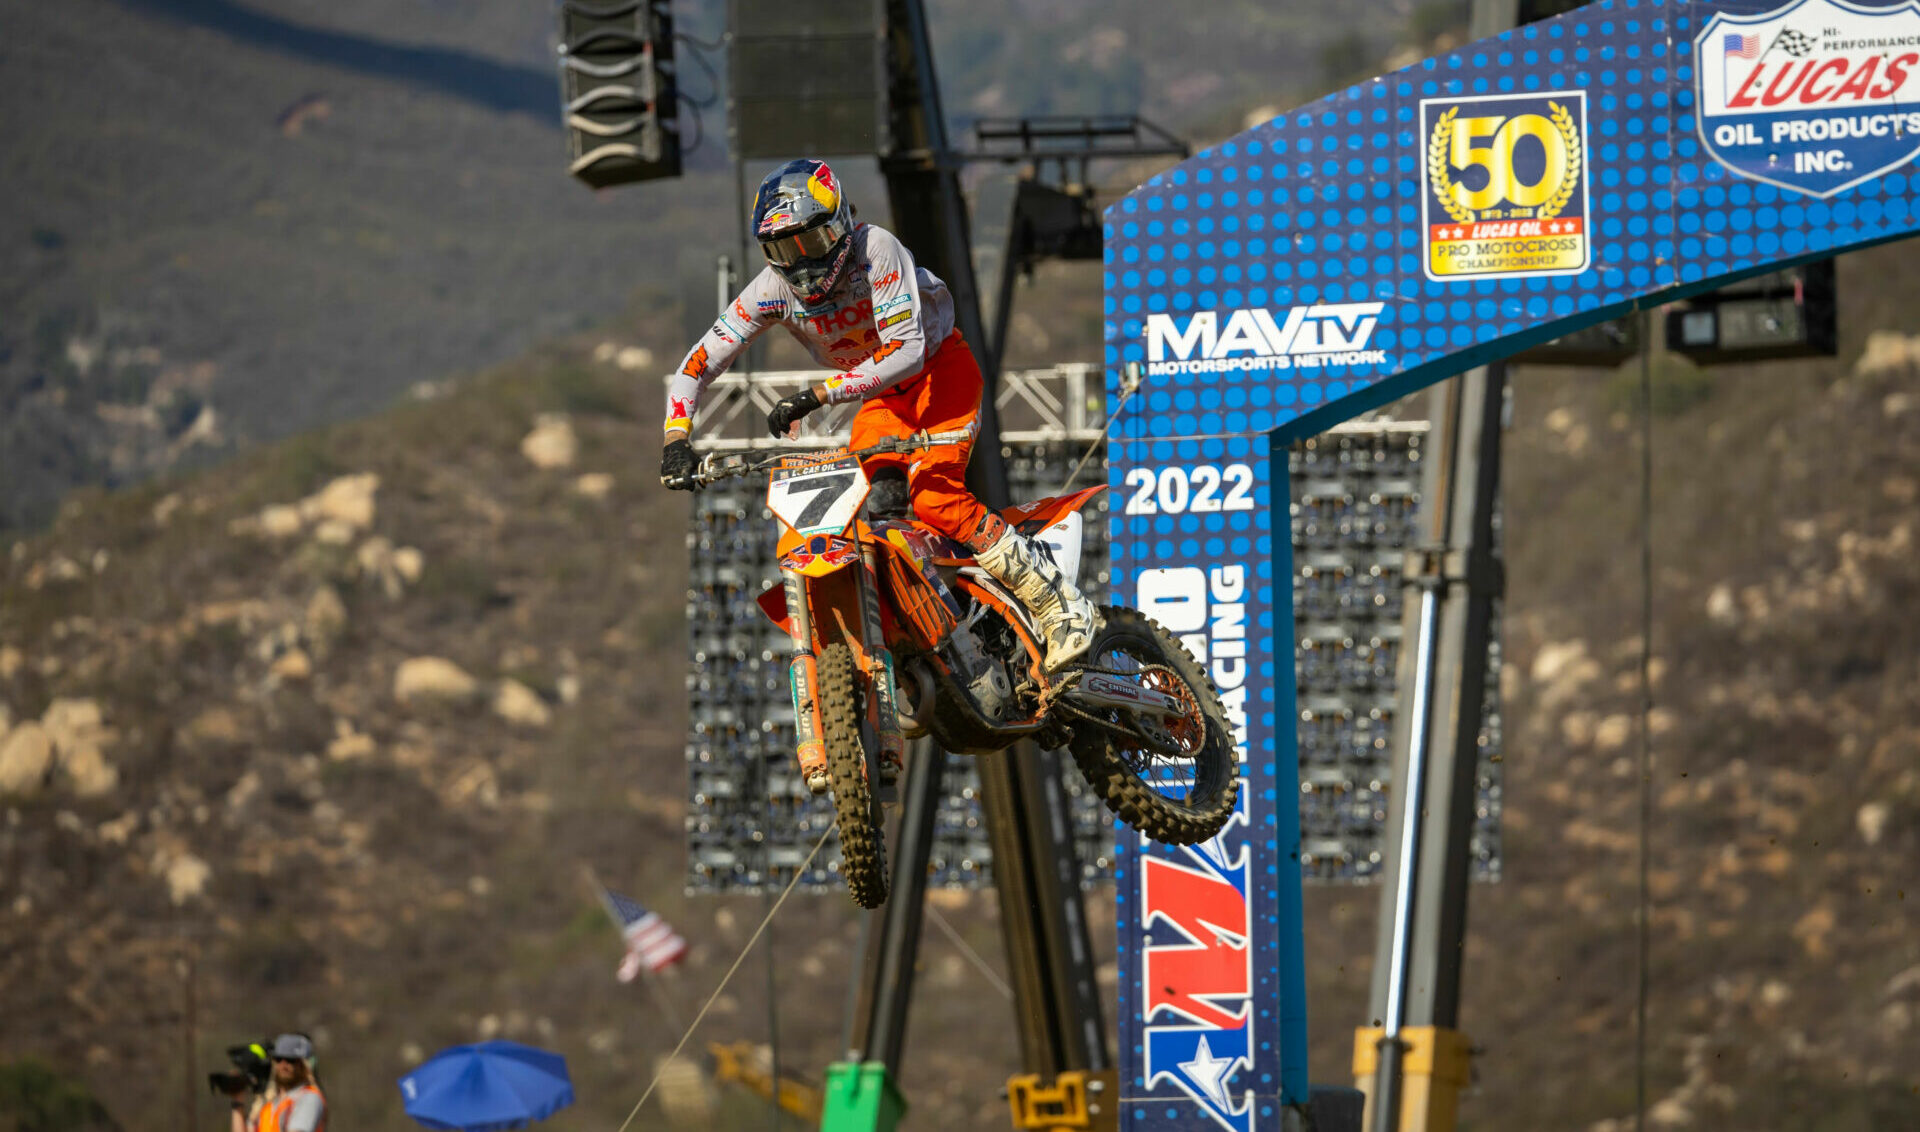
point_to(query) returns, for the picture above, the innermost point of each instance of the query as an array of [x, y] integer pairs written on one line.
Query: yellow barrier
[[1433, 1070], [738, 1063], [1077, 1101]]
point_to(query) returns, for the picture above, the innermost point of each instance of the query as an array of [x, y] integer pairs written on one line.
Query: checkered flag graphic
[[1796, 43]]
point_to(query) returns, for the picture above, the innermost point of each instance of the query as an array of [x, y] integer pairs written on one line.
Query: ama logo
[[1196, 974]]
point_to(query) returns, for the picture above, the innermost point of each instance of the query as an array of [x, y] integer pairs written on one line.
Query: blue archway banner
[[1342, 255]]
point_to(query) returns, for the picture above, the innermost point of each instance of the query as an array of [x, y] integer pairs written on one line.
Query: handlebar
[[715, 466]]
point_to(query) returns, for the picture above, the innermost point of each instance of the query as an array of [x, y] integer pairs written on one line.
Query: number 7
[[824, 489]]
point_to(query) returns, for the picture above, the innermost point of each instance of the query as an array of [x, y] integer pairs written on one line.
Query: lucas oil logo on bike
[[1814, 97], [1196, 972], [1506, 179], [1327, 334]]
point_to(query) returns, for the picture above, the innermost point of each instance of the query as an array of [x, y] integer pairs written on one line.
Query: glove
[[676, 465], [789, 411]]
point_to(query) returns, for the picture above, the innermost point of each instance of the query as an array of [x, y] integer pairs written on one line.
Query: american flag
[[1745, 46], [651, 941]]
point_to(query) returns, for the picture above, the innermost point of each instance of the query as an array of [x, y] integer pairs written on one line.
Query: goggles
[[797, 247]]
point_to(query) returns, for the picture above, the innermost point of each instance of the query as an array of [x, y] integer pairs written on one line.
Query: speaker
[[1058, 223], [807, 79], [617, 93], [1602, 344], [1781, 314]]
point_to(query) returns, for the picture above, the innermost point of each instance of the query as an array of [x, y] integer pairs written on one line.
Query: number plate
[[820, 499]]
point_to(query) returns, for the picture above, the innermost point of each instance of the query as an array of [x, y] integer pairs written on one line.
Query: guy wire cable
[[1646, 715], [724, 979], [972, 956], [699, 126], [713, 77], [1127, 390]]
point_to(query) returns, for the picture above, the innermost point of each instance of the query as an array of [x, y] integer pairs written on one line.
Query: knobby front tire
[[863, 848]]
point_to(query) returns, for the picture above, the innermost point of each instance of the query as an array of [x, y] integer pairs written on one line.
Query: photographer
[[292, 1102]]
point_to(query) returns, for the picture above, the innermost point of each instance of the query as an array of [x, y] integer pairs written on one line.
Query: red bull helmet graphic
[[803, 223]]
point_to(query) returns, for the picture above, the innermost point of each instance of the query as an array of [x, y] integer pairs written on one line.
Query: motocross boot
[[1066, 619]]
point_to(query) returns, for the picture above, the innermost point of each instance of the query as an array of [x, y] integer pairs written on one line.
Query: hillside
[[200, 220], [228, 221], [222, 744]]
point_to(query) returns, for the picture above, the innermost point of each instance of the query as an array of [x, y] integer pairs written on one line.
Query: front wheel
[[863, 849], [1178, 786]]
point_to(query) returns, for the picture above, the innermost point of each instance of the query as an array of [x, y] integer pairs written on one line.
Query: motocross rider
[[850, 293]]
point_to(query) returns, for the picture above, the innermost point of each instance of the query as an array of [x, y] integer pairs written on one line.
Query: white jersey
[[878, 327]]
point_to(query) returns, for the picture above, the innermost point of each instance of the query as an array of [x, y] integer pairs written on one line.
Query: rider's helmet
[[804, 226]]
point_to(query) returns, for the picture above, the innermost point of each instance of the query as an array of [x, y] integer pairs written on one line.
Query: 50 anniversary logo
[[1507, 191]]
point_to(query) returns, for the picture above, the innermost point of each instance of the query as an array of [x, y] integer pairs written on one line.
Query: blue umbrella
[[491, 1085]]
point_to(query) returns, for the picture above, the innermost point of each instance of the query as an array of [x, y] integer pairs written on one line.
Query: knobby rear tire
[[1117, 780], [863, 848]]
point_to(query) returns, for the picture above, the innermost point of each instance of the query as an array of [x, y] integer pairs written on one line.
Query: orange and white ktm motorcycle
[[897, 634]]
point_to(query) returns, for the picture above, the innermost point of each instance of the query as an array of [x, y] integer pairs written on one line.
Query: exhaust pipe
[[914, 724]]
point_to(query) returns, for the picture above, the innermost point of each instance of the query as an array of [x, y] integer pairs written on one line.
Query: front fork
[[803, 680], [882, 705]]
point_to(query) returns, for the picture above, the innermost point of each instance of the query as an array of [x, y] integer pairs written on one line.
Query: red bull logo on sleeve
[[679, 412]]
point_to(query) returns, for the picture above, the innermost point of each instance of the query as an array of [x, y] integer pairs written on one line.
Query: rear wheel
[[863, 850], [1176, 782]]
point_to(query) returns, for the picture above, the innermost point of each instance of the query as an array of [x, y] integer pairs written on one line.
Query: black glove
[[676, 465], [790, 410]]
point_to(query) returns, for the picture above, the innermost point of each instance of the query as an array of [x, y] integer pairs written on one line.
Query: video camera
[[253, 1069]]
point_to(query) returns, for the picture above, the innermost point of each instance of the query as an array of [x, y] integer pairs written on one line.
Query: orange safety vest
[[273, 1117]]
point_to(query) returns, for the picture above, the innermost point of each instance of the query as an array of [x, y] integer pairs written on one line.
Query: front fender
[[816, 556]]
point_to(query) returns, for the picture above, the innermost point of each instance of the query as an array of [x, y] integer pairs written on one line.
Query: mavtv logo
[[1326, 334]]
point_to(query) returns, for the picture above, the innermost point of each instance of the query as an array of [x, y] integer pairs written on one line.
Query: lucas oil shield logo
[[1815, 97], [1506, 186]]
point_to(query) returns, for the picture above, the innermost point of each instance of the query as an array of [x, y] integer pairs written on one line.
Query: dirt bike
[[868, 600]]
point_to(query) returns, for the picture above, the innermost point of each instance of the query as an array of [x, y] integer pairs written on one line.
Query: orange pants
[[943, 397]]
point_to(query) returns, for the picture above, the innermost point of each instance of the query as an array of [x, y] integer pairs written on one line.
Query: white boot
[[1066, 619]]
